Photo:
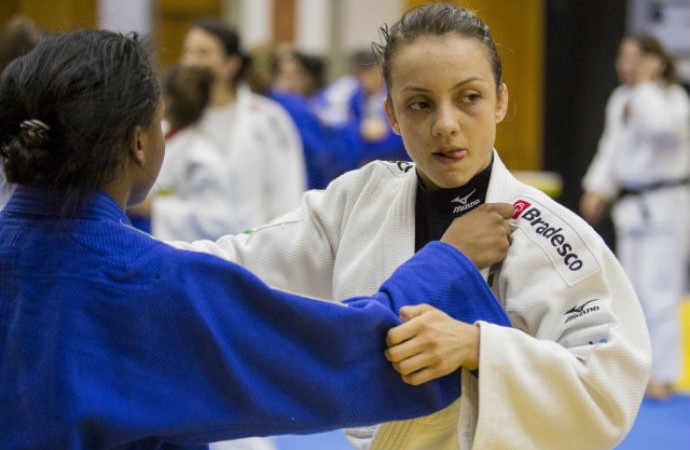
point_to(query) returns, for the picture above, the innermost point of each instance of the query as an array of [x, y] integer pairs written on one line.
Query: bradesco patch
[[563, 245]]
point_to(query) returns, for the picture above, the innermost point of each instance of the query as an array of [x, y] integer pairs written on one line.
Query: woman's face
[[203, 49], [445, 105], [291, 77], [628, 60]]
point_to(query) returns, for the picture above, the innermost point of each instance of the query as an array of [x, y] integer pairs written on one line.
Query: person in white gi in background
[[642, 165], [190, 199], [572, 372], [263, 150]]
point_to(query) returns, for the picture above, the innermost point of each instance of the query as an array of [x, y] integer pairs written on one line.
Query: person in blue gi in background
[[112, 339]]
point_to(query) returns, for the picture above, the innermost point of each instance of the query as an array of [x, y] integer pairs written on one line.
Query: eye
[[471, 97], [418, 105]]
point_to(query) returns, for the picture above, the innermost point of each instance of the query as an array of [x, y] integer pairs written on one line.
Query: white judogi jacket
[[264, 158], [190, 197], [570, 374], [651, 146]]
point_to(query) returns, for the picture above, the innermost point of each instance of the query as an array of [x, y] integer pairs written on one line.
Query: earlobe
[[391, 116], [137, 146], [502, 103]]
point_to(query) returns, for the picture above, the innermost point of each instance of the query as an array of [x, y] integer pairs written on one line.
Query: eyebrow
[[457, 85]]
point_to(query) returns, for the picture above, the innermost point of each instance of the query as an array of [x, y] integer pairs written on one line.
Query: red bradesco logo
[[519, 207]]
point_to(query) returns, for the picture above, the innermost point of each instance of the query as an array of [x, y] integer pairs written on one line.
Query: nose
[[189, 58], [446, 121]]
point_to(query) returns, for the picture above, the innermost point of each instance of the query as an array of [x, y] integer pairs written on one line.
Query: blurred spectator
[[295, 79], [190, 198], [261, 145], [642, 166], [296, 72], [18, 37], [354, 106], [367, 105]]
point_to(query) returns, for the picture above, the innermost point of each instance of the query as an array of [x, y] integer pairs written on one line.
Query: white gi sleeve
[[294, 252], [599, 177], [658, 111]]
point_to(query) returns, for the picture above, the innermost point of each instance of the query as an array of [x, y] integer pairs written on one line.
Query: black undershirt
[[435, 210]]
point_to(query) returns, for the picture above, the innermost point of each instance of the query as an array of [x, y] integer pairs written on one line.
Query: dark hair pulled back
[[649, 45], [433, 19], [91, 89], [187, 91], [230, 41]]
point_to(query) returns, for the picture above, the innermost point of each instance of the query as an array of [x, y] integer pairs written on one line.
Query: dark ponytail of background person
[[187, 94], [651, 46]]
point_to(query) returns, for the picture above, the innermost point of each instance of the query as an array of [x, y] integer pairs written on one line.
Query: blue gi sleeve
[[285, 364], [468, 297], [214, 353]]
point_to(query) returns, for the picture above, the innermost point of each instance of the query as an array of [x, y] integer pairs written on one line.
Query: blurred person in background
[[642, 167], [353, 107], [262, 148], [190, 200], [295, 78], [369, 122], [17, 38], [296, 72]]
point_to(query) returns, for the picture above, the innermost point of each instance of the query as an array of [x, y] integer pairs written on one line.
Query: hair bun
[[33, 133]]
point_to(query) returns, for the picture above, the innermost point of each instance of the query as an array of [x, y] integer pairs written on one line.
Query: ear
[[391, 116], [231, 66], [137, 146], [502, 103]]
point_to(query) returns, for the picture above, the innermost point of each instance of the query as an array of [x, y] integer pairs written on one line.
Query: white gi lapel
[[399, 241]]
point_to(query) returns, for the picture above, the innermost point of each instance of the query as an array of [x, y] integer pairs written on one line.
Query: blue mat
[[659, 425], [333, 440]]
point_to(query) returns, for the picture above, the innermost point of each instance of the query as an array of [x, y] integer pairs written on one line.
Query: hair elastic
[[33, 132]]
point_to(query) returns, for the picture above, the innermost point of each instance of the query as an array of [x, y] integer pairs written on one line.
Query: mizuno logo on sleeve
[[581, 310]]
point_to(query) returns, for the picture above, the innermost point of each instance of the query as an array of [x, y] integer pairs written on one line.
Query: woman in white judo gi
[[572, 372], [263, 150], [643, 166]]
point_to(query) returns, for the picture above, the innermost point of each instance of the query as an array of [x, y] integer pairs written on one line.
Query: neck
[[223, 94], [123, 189], [118, 193]]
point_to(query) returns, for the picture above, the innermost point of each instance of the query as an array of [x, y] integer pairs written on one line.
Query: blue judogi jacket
[[112, 339]]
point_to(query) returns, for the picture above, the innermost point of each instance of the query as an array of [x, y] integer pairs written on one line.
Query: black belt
[[627, 192]]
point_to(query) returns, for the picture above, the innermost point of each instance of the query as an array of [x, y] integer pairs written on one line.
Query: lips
[[450, 155]]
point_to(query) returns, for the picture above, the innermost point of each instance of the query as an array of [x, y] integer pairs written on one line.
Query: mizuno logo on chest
[[464, 203], [463, 200]]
